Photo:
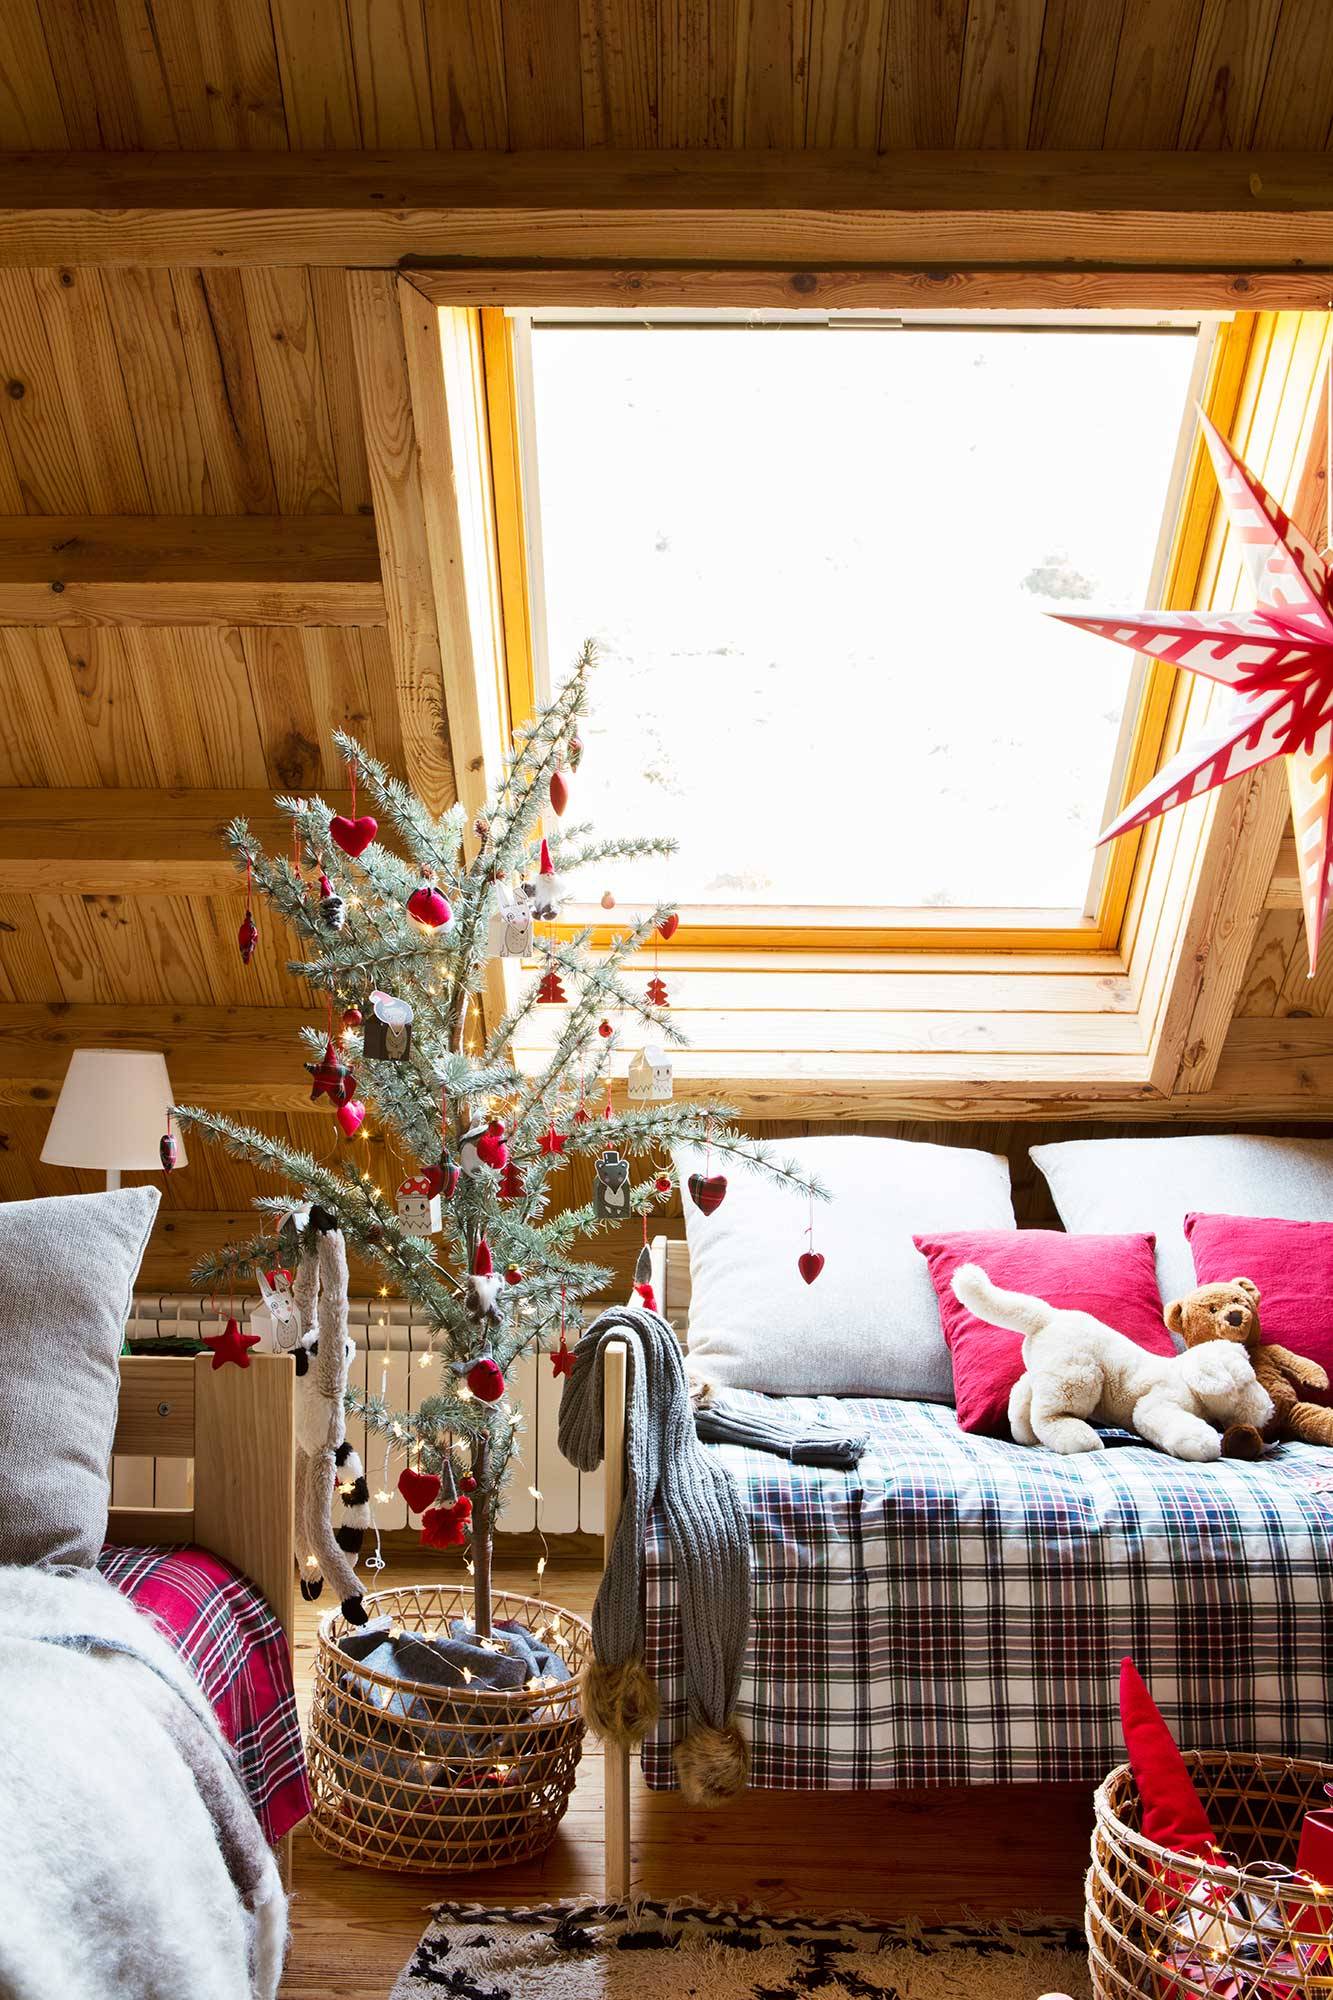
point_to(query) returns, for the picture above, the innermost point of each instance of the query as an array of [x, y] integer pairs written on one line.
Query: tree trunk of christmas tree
[[483, 1526]]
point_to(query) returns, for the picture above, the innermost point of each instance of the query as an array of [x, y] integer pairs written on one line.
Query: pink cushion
[[1113, 1277], [1290, 1262]]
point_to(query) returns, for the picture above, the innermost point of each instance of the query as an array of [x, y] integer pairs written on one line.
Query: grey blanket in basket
[[422, 1737]]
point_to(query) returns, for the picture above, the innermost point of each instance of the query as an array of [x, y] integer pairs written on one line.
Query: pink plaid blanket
[[224, 1631]]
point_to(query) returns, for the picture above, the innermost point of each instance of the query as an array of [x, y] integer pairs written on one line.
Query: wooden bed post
[[615, 1755]]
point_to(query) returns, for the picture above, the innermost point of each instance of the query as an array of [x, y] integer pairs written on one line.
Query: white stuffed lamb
[[1078, 1369]]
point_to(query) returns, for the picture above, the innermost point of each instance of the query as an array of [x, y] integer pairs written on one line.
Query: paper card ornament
[[387, 1033], [276, 1319], [649, 1077], [1277, 659], [509, 934], [610, 1187], [418, 1204]]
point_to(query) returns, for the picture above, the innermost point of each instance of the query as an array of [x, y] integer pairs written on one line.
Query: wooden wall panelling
[[467, 75], [1296, 109], [215, 333], [1227, 76], [109, 706], [923, 68], [42, 472], [543, 79], [193, 569], [285, 342], [338, 372], [396, 476], [78, 329], [153, 362], [695, 43], [845, 87], [318, 75], [1220, 212], [618, 50], [31, 115], [92, 76], [1075, 73], [199, 707], [769, 85], [392, 70], [1152, 71], [284, 705], [42, 728], [151, 841], [27, 969], [242, 80], [999, 73], [1275, 945]]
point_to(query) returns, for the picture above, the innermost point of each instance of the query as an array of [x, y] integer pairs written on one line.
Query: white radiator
[[389, 1357]]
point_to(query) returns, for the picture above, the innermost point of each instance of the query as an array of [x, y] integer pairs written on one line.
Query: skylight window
[[816, 559]]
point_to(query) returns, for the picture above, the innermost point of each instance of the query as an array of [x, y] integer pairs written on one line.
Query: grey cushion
[[1108, 1186], [870, 1323], [67, 1269]]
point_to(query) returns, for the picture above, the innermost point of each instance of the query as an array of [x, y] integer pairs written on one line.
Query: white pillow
[[1109, 1186], [870, 1324]]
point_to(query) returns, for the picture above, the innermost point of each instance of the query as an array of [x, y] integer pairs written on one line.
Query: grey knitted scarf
[[665, 1462]]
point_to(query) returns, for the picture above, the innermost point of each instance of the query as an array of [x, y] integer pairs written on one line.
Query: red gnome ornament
[[446, 1527]]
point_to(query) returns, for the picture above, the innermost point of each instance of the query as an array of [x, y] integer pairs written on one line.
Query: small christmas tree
[[472, 1241]]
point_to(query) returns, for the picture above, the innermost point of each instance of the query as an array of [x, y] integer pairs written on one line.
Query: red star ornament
[[1278, 660], [551, 1141], [562, 1361], [231, 1345]]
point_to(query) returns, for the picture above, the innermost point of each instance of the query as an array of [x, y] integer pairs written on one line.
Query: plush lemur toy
[[327, 1467]]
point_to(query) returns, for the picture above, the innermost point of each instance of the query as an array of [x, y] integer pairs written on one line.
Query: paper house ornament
[[418, 1204], [510, 931], [387, 1032], [649, 1077], [610, 1187]]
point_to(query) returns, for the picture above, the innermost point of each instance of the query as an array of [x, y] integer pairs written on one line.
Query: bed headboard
[[671, 1282], [236, 1424]]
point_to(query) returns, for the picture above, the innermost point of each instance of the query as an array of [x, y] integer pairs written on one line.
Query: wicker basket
[[1165, 1926], [467, 1779]]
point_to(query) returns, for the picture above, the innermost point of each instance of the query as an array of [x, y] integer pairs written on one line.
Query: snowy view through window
[[816, 563]]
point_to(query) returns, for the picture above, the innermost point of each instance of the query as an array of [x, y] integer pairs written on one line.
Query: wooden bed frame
[[236, 1424], [671, 1283]]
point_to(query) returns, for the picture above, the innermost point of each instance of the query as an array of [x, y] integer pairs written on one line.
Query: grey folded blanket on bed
[[763, 1428], [664, 1463], [134, 1863]]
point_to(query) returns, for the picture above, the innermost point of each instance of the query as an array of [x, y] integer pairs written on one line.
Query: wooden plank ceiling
[[519, 74], [189, 568]]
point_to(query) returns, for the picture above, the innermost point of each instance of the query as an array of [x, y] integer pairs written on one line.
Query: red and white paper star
[[1277, 658]]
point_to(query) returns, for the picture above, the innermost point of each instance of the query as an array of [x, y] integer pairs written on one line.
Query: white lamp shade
[[112, 1112]]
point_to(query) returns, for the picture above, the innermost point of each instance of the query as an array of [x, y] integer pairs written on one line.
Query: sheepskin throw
[[710, 1543]]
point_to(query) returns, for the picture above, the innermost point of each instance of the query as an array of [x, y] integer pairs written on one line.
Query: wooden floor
[[929, 1854]]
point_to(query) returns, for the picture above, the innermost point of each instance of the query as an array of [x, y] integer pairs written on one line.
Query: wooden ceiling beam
[[1216, 211], [204, 569], [130, 843]]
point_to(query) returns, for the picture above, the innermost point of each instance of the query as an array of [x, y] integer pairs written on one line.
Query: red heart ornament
[[419, 1489], [707, 1191], [668, 926], [353, 835], [810, 1263], [351, 1117]]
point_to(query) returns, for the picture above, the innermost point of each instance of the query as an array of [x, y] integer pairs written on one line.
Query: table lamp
[[112, 1113]]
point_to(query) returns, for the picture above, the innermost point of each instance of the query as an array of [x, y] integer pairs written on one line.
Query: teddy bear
[[1077, 1369], [1230, 1311]]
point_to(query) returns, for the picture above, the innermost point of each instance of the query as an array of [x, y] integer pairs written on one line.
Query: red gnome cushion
[[1173, 1813]]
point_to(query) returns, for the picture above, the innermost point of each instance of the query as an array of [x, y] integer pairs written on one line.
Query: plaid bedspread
[[955, 1611], [222, 1628]]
